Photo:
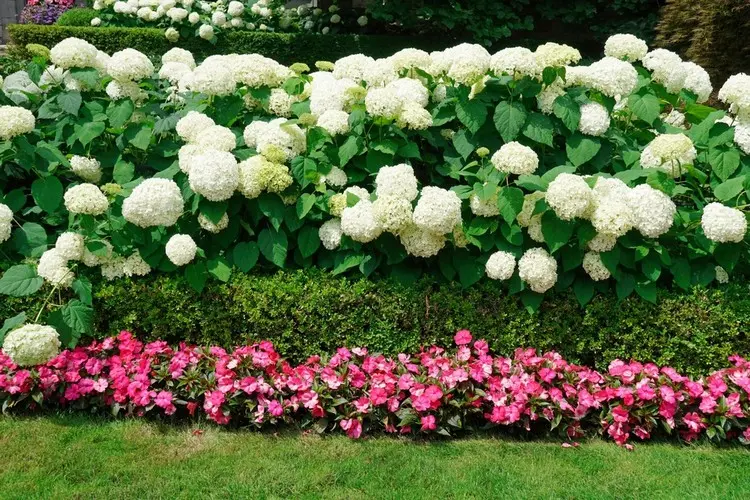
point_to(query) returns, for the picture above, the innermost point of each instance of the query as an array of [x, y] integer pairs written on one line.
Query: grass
[[81, 457]]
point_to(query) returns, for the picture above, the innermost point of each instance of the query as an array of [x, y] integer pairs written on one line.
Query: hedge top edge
[[520, 165]]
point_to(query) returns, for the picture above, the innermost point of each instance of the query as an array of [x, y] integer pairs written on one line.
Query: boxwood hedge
[[311, 311], [286, 48]]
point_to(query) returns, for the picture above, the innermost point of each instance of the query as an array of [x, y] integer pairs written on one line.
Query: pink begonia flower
[[428, 423], [620, 414], [353, 427], [275, 408], [462, 337], [101, 384], [164, 400]]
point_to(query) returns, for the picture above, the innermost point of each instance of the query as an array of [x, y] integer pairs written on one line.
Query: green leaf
[[78, 316], [304, 204], [348, 262], [647, 291], [52, 154], [245, 255], [82, 286], [20, 280], [123, 172], [47, 193], [509, 119], [539, 129], [661, 181], [463, 145], [625, 285], [272, 207], [470, 270], [273, 245], [89, 76], [651, 267], [581, 148], [646, 107], [213, 210], [89, 131], [68, 337], [584, 290], [549, 75], [119, 112], [219, 267], [472, 113], [30, 239], [681, 272], [556, 232], [724, 162], [729, 189], [510, 203], [196, 275], [308, 241], [349, 150], [70, 102], [11, 324], [142, 138], [567, 110]]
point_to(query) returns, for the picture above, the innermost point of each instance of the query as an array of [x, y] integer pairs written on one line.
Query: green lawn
[[78, 457]]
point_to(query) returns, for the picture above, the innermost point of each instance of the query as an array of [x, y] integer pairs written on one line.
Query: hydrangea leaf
[[509, 119]]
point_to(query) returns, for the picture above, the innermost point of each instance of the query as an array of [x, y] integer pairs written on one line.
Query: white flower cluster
[[538, 269], [257, 174], [723, 224], [515, 158], [88, 169], [181, 249], [736, 93], [556, 55], [668, 69], [625, 46], [594, 267], [69, 246], [330, 234], [334, 121], [53, 267], [500, 266], [465, 63], [15, 121], [6, 217], [438, 210], [85, 199], [569, 196], [670, 153], [129, 65], [154, 202], [594, 119], [32, 345], [74, 53], [515, 61]]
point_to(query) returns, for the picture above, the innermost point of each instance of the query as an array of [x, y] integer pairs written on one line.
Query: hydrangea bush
[[520, 166], [208, 20], [434, 391]]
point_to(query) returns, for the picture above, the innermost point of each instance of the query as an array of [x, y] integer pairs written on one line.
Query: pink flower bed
[[435, 391]]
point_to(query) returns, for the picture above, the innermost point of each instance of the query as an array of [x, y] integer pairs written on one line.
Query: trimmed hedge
[[311, 311], [77, 17], [286, 48]]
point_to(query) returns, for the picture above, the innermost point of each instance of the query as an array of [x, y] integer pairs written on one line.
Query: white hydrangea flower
[[117, 90], [335, 178], [177, 14], [653, 212], [742, 136], [135, 266], [334, 121], [398, 180], [206, 224], [545, 100], [409, 59], [113, 268], [556, 55], [88, 169], [327, 93], [6, 217], [213, 79], [697, 80], [516, 62], [666, 68], [53, 267], [190, 126], [280, 103], [73, 53], [154, 202], [674, 118], [179, 55], [330, 234], [538, 269], [569, 196], [534, 229], [414, 117], [90, 259], [32, 345], [382, 102], [602, 243], [612, 216], [421, 243], [669, 153], [194, 17], [70, 245], [484, 208], [438, 210], [236, 8], [594, 267], [218, 138], [85, 199], [392, 213], [174, 71], [612, 77], [625, 46], [277, 140], [255, 70], [129, 65], [736, 93], [515, 158], [380, 73], [214, 175], [15, 121], [721, 275], [410, 90], [529, 204], [352, 67], [723, 224], [359, 222], [181, 249], [594, 119], [500, 266], [465, 63], [206, 31]]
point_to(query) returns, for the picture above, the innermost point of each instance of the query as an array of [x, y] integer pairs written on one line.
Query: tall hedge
[[286, 48], [712, 33], [312, 311]]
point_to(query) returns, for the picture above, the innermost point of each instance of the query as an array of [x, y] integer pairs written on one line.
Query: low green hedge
[[77, 17], [286, 48], [307, 312]]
